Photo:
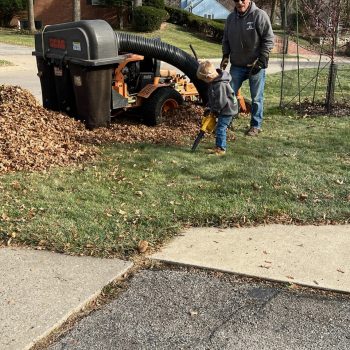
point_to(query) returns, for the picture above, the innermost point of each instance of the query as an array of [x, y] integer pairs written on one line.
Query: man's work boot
[[253, 131]]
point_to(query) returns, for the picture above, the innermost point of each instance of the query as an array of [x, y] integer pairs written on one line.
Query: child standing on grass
[[222, 101]]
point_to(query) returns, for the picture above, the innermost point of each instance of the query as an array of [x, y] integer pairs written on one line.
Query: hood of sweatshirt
[[252, 7], [223, 76]]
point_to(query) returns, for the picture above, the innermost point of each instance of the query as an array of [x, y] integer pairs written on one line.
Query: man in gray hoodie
[[247, 41]]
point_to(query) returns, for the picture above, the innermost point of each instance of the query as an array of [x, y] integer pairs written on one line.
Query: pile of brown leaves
[[33, 138], [179, 124]]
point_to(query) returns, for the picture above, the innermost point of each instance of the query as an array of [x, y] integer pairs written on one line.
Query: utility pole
[[273, 11]]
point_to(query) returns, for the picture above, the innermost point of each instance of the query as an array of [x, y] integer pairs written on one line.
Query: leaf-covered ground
[[34, 138]]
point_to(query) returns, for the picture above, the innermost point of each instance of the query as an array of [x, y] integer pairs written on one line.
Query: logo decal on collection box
[[76, 46], [58, 71], [77, 80]]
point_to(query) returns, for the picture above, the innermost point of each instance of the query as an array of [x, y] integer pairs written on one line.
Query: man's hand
[[224, 62], [260, 63]]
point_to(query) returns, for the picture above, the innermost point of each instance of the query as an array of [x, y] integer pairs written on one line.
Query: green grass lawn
[[296, 171], [182, 38], [170, 33], [15, 37]]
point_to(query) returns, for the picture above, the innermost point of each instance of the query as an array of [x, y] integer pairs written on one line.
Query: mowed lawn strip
[[169, 33], [15, 37]]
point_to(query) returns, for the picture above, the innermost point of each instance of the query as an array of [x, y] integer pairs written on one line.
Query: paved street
[[23, 72], [200, 310]]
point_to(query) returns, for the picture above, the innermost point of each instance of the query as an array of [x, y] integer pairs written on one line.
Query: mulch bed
[[308, 109]]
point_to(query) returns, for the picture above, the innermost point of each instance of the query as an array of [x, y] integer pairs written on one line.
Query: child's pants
[[221, 127]]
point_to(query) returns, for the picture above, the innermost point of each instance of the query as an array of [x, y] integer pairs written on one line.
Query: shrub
[[148, 19], [177, 16], [347, 49], [159, 4], [8, 8]]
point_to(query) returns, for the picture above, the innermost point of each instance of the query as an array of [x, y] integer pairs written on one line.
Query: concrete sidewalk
[[39, 290], [315, 256]]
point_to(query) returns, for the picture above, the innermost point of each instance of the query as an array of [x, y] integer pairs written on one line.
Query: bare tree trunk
[[333, 66], [283, 7], [137, 3], [76, 10], [273, 11], [31, 21]]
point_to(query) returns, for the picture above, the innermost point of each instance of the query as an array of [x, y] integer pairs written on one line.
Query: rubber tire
[[153, 107]]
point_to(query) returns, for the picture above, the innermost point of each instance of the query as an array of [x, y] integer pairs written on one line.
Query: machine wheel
[[161, 101]]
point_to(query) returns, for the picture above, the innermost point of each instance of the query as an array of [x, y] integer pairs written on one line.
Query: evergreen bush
[[148, 19], [9, 8], [159, 4], [210, 28]]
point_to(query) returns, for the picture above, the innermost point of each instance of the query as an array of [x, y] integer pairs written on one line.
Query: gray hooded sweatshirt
[[247, 36], [221, 98]]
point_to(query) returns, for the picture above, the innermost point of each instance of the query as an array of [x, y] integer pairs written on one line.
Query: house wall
[[211, 8], [204, 8], [60, 11]]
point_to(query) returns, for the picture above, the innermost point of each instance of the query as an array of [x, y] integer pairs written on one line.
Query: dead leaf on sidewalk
[[193, 313], [265, 266]]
